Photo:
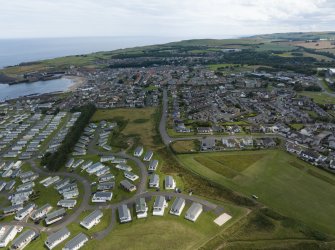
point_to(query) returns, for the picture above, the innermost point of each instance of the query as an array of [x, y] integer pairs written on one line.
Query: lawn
[[294, 192], [319, 97], [141, 122], [297, 126], [185, 146], [155, 232]]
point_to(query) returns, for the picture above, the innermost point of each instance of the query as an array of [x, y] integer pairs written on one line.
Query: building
[[124, 213], [153, 165], [193, 212], [159, 206], [131, 176], [141, 208], [67, 203], [76, 243], [102, 196], [169, 182], [177, 206], [123, 167], [41, 212], [24, 239], [12, 209], [25, 211], [55, 216], [7, 234], [92, 219], [125, 184], [105, 186], [56, 238], [154, 181], [138, 151], [148, 155]]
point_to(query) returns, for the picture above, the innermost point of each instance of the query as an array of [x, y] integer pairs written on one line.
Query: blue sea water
[[15, 51]]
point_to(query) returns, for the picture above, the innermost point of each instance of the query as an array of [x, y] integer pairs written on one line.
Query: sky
[[162, 18]]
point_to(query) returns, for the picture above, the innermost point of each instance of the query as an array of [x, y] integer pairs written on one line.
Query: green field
[[319, 97], [281, 181], [140, 122]]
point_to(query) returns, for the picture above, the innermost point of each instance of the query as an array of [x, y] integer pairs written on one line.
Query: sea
[[16, 51]]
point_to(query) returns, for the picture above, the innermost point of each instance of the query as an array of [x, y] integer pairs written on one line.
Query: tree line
[[54, 161]]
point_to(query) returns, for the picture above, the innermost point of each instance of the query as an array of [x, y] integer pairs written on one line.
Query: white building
[[102, 196], [92, 219], [169, 182], [76, 243], [159, 206], [56, 238], [193, 212], [7, 234]]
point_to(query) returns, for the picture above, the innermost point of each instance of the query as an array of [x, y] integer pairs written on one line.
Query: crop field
[[280, 180]]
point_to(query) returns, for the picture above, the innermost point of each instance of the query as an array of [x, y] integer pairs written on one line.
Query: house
[[61, 183], [106, 177], [105, 186], [76, 243], [124, 213], [125, 184], [159, 206], [41, 212], [56, 238], [193, 212], [24, 239], [154, 181], [12, 209], [169, 182], [67, 203], [7, 234], [92, 219], [123, 167], [95, 168], [177, 206], [131, 176], [138, 151], [205, 130], [229, 143], [141, 208], [25, 211], [310, 155], [293, 148], [69, 163], [153, 165], [148, 155], [269, 142], [55, 216], [106, 158], [102, 196], [70, 194], [208, 144]]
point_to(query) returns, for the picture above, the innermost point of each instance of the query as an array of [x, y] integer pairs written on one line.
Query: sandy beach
[[77, 82]]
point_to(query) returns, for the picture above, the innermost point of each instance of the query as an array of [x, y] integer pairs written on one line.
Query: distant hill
[[296, 36]]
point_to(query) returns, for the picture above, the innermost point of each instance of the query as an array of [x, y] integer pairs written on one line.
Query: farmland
[[280, 180]]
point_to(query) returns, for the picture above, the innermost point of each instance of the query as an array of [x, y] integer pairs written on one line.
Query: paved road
[[162, 125]]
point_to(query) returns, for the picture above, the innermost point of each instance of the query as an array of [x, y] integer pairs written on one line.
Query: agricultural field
[[280, 180]]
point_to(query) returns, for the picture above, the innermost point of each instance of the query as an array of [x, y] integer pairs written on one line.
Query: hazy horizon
[[184, 18]]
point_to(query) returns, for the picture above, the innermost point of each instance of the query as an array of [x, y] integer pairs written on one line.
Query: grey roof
[[23, 237], [138, 149], [126, 184], [79, 238], [57, 235], [193, 210], [12, 209], [140, 205], [159, 201], [148, 154], [153, 164], [92, 216], [154, 178], [177, 204], [168, 180], [55, 214], [102, 194], [123, 211]]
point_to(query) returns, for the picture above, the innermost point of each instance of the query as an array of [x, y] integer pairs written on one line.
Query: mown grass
[[289, 190]]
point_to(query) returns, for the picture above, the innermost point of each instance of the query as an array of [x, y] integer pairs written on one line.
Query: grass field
[[274, 177], [185, 146], [319, 97], [141, 122]]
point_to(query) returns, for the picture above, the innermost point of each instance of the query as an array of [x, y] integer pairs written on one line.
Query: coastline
[[77, 82]]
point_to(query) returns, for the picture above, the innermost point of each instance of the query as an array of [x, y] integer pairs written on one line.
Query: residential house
[[67, 203], [159, 206], [76, 243], [138, 151], [141, 208], [56, 238], [193, 212], [102, 196], [24, 239], [169, 182], [153, 165], [177, 206], [55, 216], [131, 176], [7, 234], [92, 219], [148, 155], [124, 213], [125, 184], [154, 181]]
